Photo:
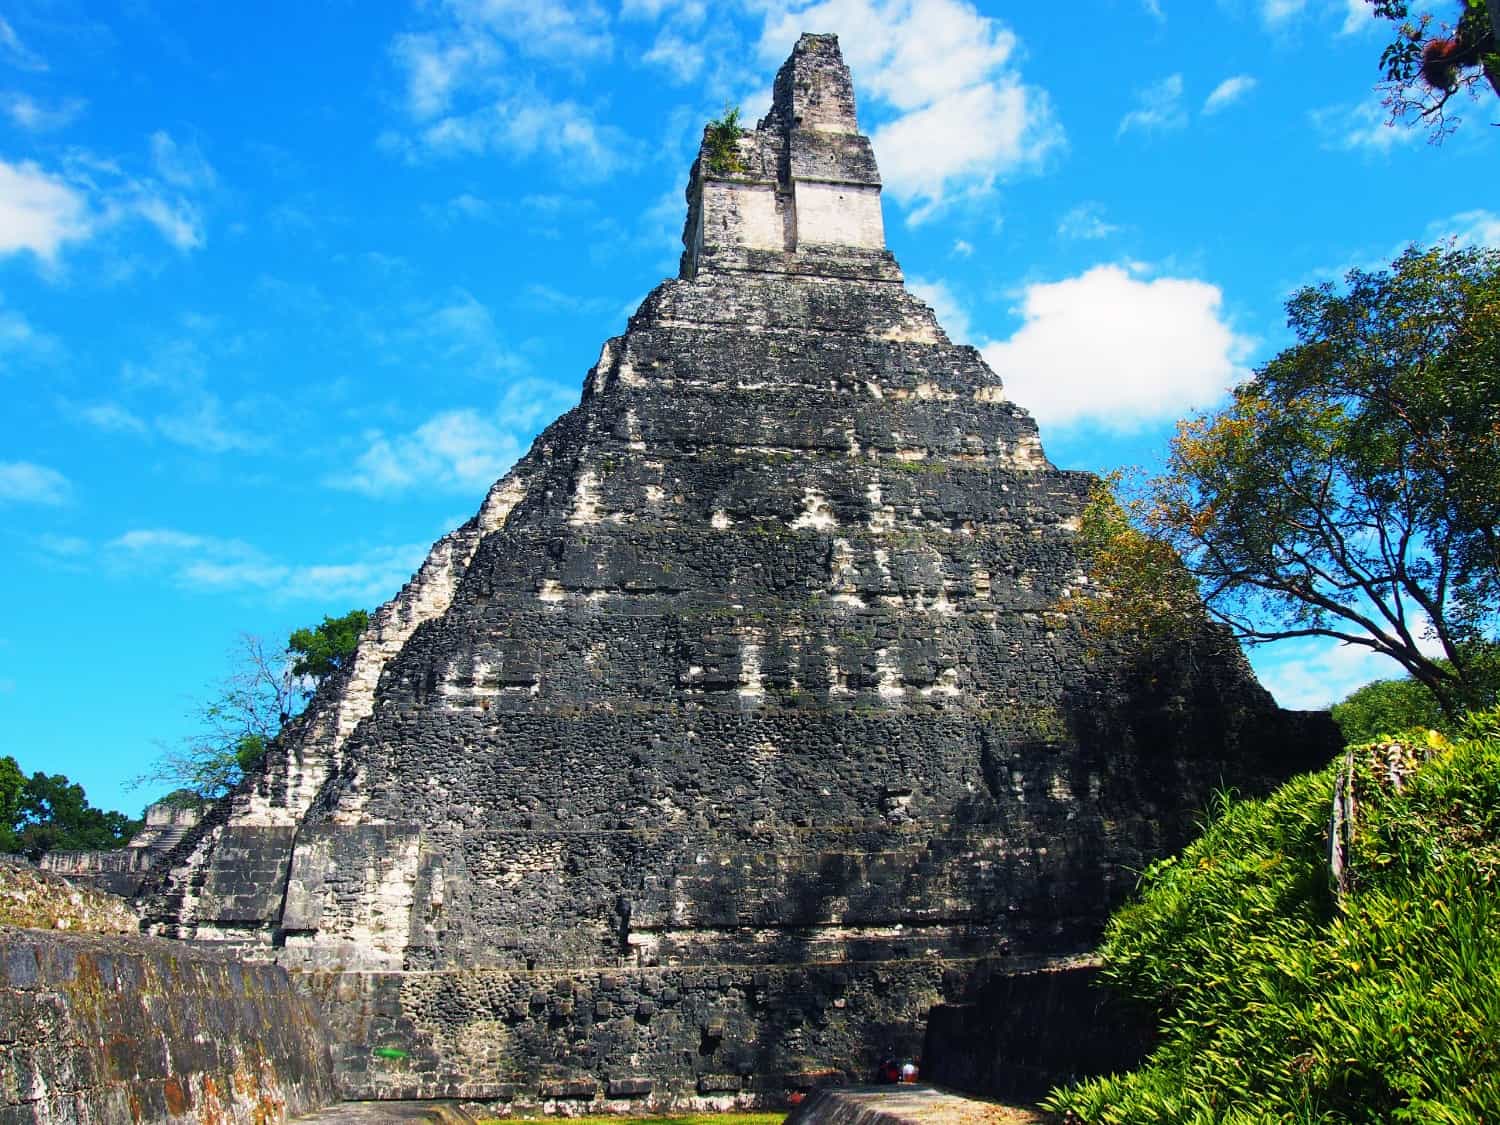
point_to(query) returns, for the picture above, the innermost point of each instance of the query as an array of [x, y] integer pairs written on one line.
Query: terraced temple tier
[[740, 725]]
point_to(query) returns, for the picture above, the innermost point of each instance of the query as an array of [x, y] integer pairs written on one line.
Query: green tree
[[48, 813], [262, 693], [1429, 62], [327, 648], [12, 781], [1352, 489]]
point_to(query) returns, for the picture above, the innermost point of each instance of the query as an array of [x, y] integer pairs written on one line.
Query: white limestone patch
[[1028, 453], [815, 513], [931, 391], [720, 520], [912, 330], [585, 499], [888, 676], [992, 393], [633, 431], [946, 684], [874, 389], [751, 687], [552, 592], [839, 215]]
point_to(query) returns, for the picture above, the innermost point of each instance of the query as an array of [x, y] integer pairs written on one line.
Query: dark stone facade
[[741, 725]]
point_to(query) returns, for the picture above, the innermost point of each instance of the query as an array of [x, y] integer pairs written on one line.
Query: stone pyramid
[[740, 725]]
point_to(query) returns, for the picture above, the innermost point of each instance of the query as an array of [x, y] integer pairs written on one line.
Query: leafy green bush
[[1282, 1000], [723, 140]]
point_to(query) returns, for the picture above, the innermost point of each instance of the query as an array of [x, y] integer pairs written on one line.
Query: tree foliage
[[263, 692], [722, 138], [1352, 489], [1281, 1001], [47, 813], [1429, 62], [327, 648]]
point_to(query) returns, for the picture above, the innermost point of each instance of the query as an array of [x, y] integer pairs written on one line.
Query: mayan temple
[[742, 724]]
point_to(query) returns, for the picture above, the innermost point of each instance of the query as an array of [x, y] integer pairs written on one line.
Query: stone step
[[906, 1105], [388, 1113]]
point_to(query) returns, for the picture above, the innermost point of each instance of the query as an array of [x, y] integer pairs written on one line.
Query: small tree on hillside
[[262, 693]]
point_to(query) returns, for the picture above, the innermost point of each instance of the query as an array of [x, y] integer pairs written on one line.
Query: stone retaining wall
[[98, 1030]]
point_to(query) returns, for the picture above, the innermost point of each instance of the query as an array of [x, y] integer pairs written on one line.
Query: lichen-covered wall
[[41, 900], [108, 1030]]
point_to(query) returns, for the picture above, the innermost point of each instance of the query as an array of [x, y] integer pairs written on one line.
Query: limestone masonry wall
[[99, 1030]]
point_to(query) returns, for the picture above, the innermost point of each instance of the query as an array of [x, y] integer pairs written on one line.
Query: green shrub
[[722, 138], [1281, 1002]]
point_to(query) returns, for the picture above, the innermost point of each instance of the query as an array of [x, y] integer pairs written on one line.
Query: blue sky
[[284, 287]]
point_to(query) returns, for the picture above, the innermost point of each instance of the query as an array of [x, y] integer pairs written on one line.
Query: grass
[[1282, 1002], [662, 1119]]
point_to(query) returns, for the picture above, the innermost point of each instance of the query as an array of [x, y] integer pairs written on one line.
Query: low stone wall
[[40, 900], [1025, 1033], [107, 1030]]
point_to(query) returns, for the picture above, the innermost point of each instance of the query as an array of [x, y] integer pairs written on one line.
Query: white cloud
[[457, 450], [1365, 126], [465, 95], [964, 117], [1468, 228], [182, 166], [20, 340], [962, 249], [1085, 222], [17, 53], [1153, 9], [210, 563], [29, 114], [201, 425], [1228, 92], [1119, 351], [112, 418], [23, 482], [1158, 107], [39, 212], [1358, 16], [950, 312], [460, 450], [1277, 12], [1310, 673]]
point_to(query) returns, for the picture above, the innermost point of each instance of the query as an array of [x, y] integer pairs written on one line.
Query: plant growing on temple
[[721, 141], [1351, 490], [263, 692], [1429, 62]]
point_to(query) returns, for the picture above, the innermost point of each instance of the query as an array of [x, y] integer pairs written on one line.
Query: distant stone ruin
[[121, 871], [740, 726]]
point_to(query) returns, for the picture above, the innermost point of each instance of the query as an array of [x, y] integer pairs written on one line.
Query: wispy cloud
[[1158, 108], [1118, 351], [1085, 223], [1361, 127], [25, 112], [13, 51], [213, 564], [24, 482], [1227, 92], [43, 211], [463, 96], [1467, 228], [461, 450]]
